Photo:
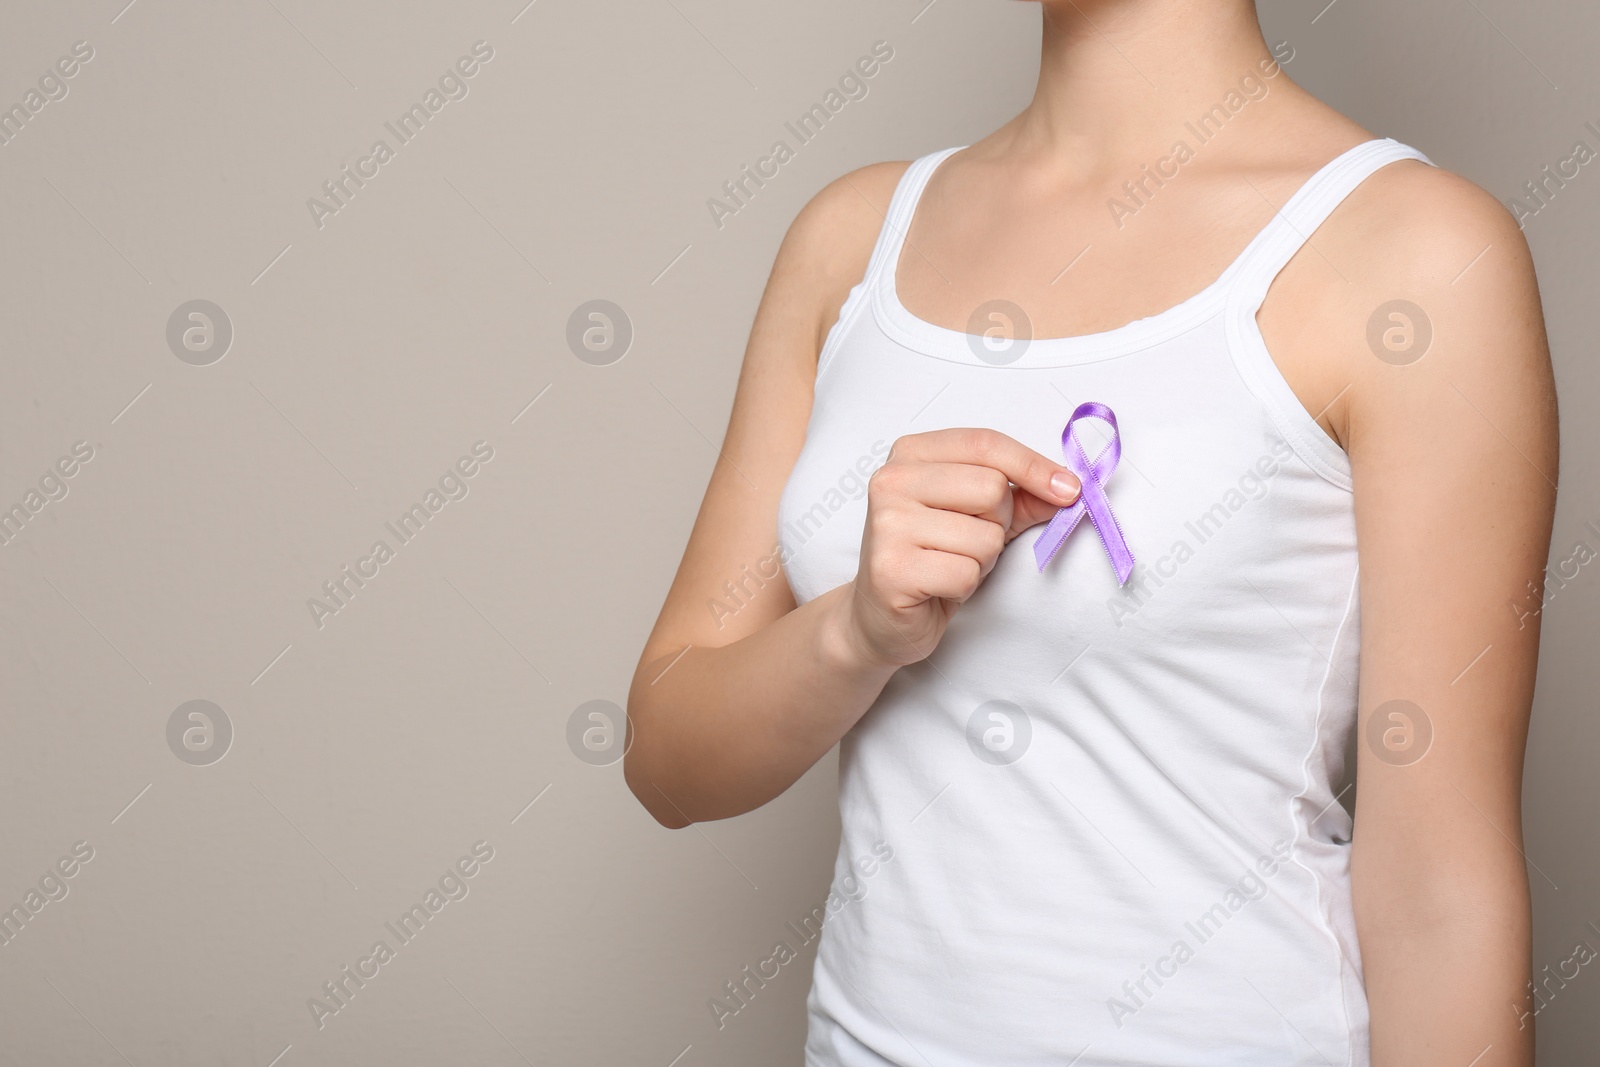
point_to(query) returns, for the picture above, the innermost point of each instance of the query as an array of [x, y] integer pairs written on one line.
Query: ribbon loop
[[1092, 501]]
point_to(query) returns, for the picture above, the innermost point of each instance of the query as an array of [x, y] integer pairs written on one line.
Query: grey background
[[371, 753]]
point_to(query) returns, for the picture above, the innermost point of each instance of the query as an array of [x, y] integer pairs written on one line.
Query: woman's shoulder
[[1417, 231], [829, 244], [1407, 215], [838, 226], [1407, 225], [1413, 220], [1428, 272]]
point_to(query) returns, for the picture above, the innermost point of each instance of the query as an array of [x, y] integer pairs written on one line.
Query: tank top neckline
[[1289, 228]]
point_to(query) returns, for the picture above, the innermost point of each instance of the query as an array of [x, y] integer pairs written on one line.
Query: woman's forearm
[[1446, 963], [716, 732]]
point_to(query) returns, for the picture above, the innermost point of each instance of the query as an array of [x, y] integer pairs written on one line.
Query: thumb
[[1028, 510]]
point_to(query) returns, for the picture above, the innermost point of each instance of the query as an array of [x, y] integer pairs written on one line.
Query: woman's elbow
[[637, 773]]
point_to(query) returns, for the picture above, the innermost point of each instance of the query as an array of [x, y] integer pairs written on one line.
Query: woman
[[1098, 822]]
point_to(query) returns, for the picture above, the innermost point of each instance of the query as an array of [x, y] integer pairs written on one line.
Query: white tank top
[[1100, 825]]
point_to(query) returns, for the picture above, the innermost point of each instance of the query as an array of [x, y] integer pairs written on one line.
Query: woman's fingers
[[965, 535], [1033, 471], [945, 575], [977, 489], [1028, 510], [939, 511], [958, 487]]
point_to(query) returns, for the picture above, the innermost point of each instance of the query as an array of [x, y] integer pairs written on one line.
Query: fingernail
[[1065, 485]]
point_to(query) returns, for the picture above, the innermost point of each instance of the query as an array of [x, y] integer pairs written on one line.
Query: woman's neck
[[1118, 78]]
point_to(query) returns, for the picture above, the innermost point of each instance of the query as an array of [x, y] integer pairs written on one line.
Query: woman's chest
[[1206, 491]]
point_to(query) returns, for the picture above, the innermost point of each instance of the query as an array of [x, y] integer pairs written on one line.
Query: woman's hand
[[938, 513]]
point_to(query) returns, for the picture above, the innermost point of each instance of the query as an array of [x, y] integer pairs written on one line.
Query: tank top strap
[[885, 251], [1291, 228], [902, 205]]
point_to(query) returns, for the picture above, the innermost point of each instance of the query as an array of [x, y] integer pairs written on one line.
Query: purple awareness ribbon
[[1092, 500]]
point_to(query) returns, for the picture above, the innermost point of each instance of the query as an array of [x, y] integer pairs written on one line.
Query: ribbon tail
[[1055, 533], [1106, 525]]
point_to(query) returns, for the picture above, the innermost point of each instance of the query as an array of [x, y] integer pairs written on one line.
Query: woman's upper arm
[[1453, 451], [823, 255]]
